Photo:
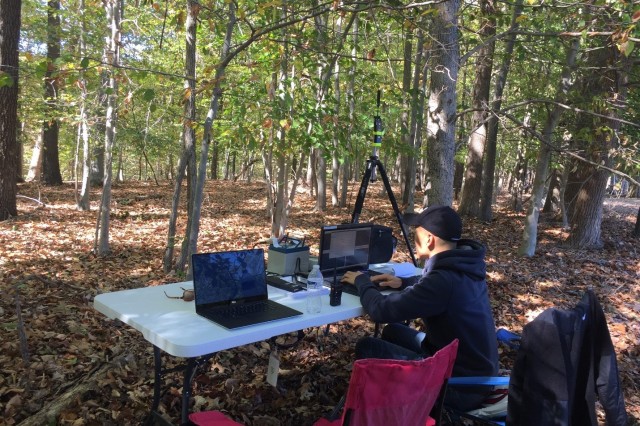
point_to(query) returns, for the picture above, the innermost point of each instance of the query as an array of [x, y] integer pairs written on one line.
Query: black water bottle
[[335, 296]]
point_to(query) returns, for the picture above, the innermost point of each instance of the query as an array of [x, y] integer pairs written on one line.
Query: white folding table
[[172, 326]]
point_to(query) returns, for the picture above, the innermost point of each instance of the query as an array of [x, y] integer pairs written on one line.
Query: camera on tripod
[[370, 176]]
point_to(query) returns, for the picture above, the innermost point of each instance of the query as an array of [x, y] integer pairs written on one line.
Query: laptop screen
[[344, 247], [223, 277]]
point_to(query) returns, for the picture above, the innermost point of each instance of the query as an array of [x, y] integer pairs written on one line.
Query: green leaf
[[149, 95], [41, 68], [84, 63], [5, 80]]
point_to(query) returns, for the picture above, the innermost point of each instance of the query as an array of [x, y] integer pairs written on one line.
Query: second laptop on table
[[231, 290]]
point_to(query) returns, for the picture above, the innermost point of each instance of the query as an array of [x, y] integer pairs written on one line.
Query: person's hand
[[387, 280], [349, 277]]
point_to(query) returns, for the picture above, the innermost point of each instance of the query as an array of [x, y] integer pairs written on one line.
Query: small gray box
[[288, 260]]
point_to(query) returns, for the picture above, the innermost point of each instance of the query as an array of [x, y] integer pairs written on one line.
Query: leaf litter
[[47, 269]]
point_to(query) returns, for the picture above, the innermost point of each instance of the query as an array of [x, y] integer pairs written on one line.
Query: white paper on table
[[402, 270]]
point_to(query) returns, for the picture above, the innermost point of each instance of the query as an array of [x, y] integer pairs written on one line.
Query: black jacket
[[451, 298], [566, 358]]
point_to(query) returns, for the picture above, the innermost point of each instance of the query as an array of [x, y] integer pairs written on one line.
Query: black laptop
[[343, 248], [231, 289]]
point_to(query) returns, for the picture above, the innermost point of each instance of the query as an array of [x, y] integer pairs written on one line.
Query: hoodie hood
[[467, 257]]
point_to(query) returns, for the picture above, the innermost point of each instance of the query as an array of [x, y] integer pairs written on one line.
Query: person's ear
[[431, 242]]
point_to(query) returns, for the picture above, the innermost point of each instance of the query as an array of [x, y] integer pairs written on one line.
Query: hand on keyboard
[[386, 282]]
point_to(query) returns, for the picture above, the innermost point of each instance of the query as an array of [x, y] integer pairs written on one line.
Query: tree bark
[[50, 128], [405, 118], [441, 114], [188, 157], [597, 137], [530, 237], [9, 48], [212, 114], [553, 192], [470, 197], [489, 165], [83, 200], [417, 112], [114, 17]]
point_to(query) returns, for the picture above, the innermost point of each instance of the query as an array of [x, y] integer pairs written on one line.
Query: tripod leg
[[362, 192], [396, 210]]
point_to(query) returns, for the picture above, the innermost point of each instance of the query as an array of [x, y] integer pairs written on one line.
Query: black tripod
[[370, 176]]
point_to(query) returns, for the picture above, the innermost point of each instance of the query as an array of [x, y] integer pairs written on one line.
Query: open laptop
[[344, 248], [231, 289]]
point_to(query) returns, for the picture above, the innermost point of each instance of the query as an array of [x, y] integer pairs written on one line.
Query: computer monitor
[[344, 247]]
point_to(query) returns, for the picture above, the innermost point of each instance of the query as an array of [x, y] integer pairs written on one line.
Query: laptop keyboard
[[244, 309], [352, 289]]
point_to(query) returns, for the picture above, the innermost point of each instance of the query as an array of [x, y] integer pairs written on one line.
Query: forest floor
[[63, 362]]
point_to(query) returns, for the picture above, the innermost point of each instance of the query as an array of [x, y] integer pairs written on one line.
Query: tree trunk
[[351, 101], [279, 222], [405, 117], [212, 115], [530, 237], [187, 158], [35, 166], [489, 165], [636, 230], [470, 197], [553, 192], [442, 103], [9, 48], [50, 128], [335, 160], [516, 186], [321, 181], [113, 11], [597, 138], [83, 200]]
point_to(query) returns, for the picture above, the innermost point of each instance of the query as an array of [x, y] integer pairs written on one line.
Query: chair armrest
[[479, 381]]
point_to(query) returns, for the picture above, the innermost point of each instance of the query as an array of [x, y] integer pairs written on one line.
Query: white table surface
[[173, 325]]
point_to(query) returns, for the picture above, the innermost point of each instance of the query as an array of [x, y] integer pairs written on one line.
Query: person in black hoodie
[[451, 297]]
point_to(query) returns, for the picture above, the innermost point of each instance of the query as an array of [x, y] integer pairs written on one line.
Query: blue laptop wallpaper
[[225, 276]]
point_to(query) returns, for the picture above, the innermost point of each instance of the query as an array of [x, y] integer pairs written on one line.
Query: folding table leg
[[189, 373], [190, 369], [157, 387]]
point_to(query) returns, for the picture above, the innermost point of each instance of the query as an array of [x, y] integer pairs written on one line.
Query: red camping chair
[[387, 392]]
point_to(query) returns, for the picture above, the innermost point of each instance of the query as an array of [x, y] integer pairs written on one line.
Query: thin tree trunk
[[489, 166], [9, 48], [417, 111], [469, 199], [113, 10], [552, 192], [530, 237], [35, 166], [83, 201], [50, 128], [278, 225], [335, 161], [351, 101], [405, 118], [211, 116]]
